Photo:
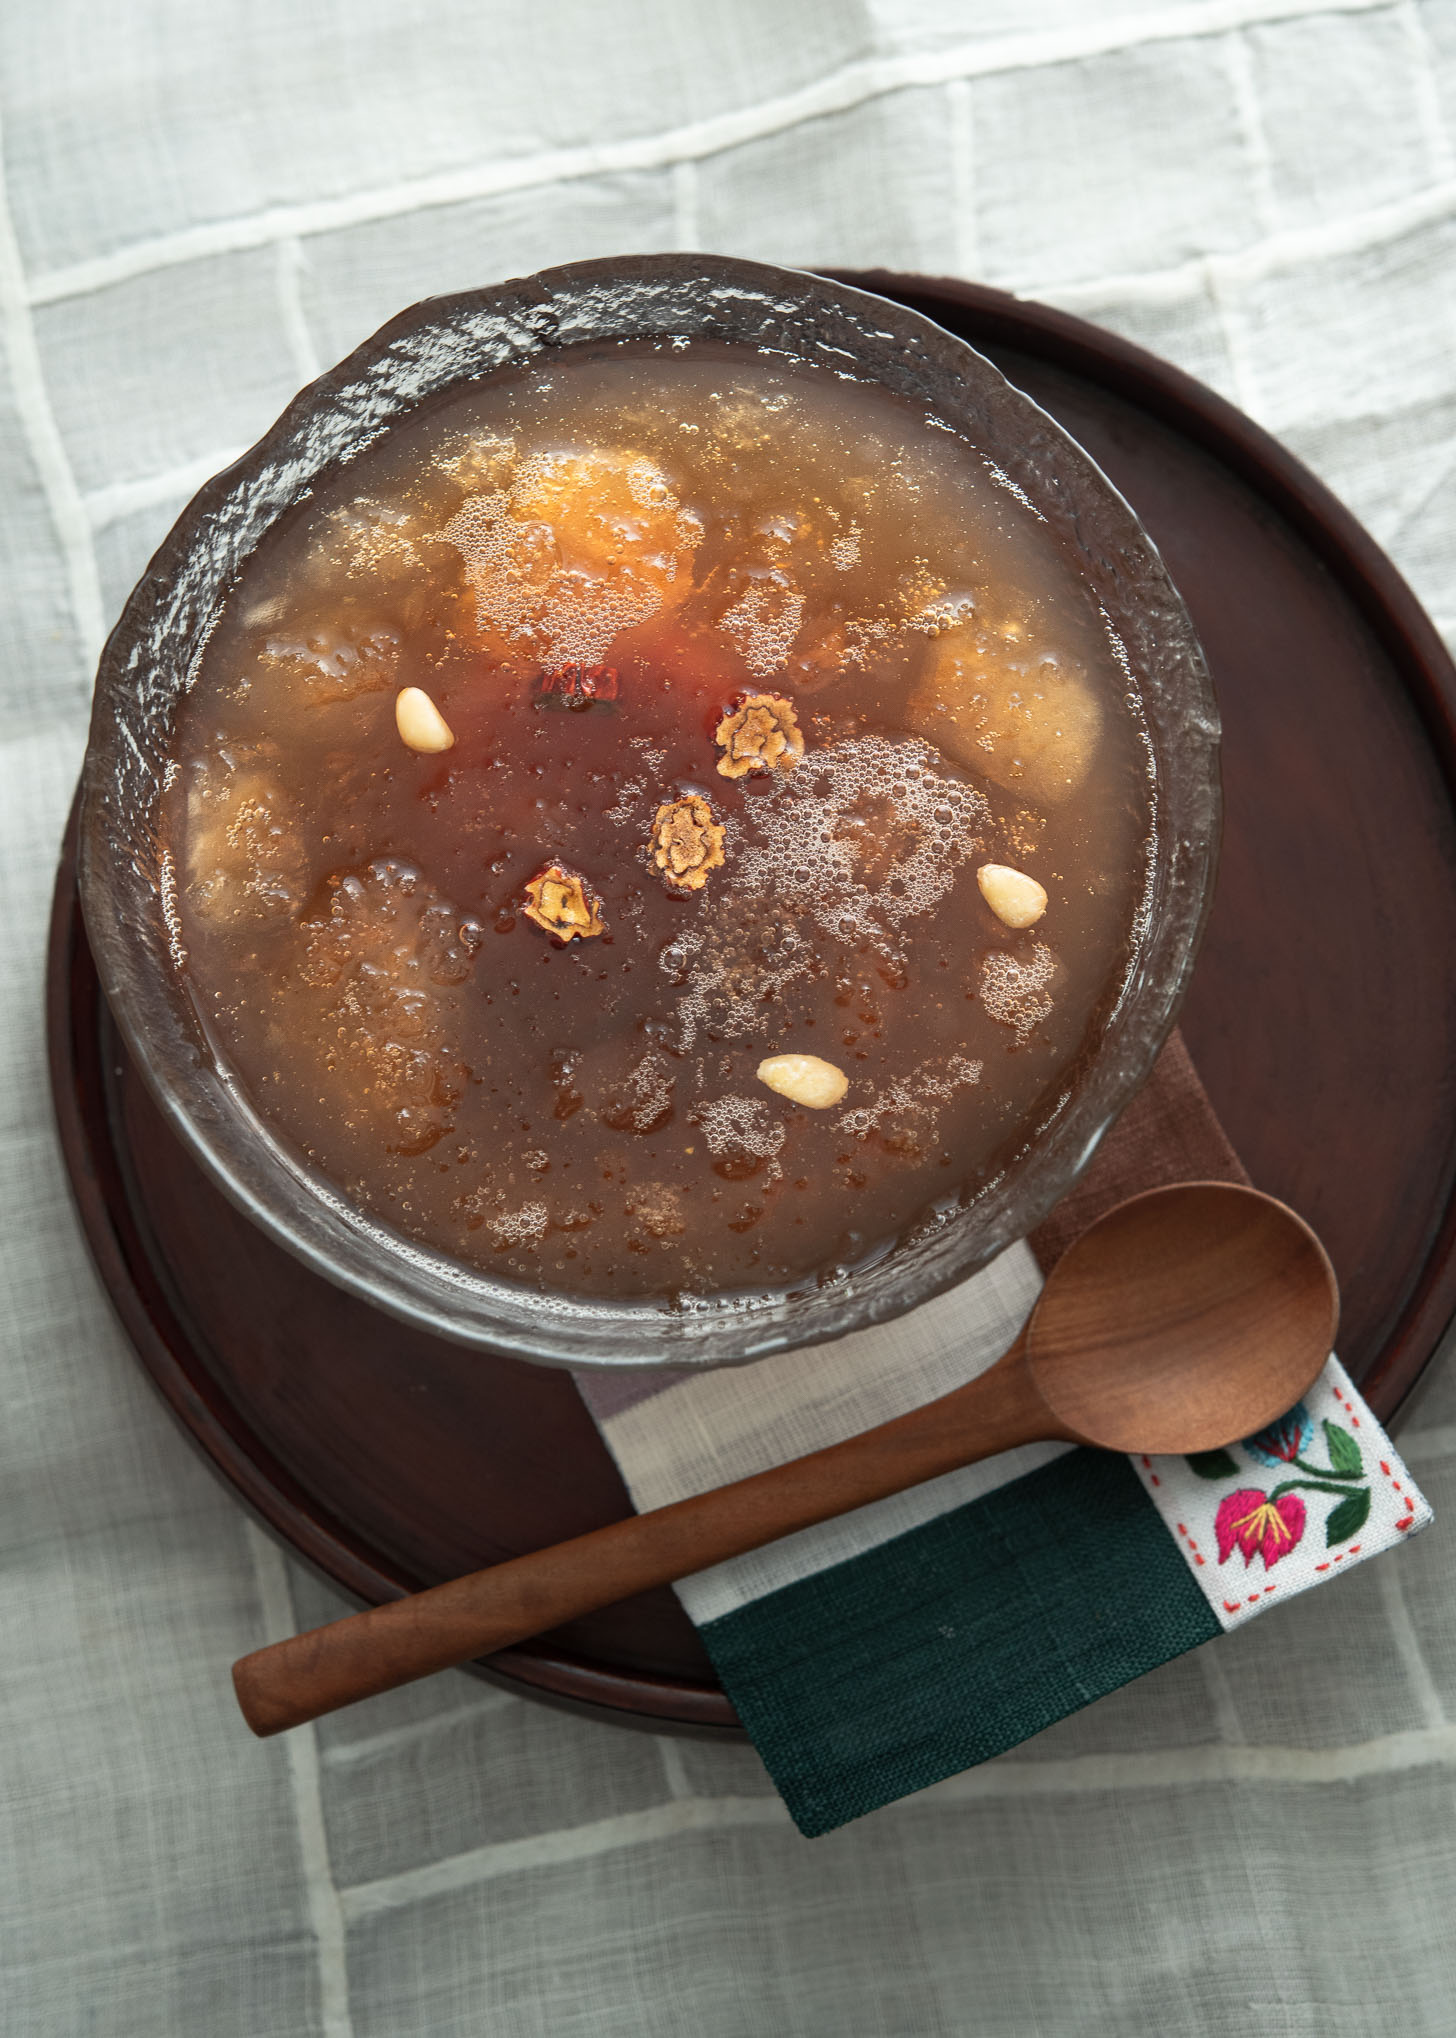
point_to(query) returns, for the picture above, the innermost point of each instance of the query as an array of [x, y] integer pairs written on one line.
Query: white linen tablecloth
[[203, 206]]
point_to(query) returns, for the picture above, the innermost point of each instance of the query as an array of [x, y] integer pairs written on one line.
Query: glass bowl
[[152, 658]]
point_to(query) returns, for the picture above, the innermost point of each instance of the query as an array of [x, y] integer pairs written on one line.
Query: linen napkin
[[914, 1638]]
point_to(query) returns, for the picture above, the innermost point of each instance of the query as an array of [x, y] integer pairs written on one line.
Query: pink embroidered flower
[[1258, 1526]]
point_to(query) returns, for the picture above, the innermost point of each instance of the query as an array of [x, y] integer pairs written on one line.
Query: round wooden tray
[[1322, 1018]]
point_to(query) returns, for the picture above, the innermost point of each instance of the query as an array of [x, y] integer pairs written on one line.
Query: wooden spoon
[[1182, 1319]]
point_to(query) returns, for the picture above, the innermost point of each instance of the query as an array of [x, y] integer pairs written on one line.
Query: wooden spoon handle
[[310, 1674]]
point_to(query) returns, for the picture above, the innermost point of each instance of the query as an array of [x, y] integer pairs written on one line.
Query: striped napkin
[[876, 1654]]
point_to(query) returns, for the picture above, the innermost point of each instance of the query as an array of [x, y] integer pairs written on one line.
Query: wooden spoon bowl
[[1182, 1319]]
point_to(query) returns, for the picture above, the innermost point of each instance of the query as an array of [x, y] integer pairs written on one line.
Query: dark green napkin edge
[[959, 1639]]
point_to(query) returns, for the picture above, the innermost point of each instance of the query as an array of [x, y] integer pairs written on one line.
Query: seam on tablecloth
[[43, 437], [325, 1907], [838, 91]]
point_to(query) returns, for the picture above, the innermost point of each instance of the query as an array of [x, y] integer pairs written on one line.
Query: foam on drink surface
[[577, 549], [865, 835], [588, 571]]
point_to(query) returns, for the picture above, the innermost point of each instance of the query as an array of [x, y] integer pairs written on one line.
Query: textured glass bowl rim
[[154, 651]]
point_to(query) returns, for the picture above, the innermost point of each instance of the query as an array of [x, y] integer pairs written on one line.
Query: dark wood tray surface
[[1322, 1017]]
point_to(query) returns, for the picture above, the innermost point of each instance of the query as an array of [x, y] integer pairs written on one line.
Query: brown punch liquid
[[586, 566]]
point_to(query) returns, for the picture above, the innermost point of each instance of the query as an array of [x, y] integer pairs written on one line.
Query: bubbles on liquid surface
[[577, 548], [913, 1096], [732, 966], [643, 1101], [742, 1132], [844, 550], [526, 1226], [860, 838], [1015, 989], [763, 623], [368, 540], [866, 834]]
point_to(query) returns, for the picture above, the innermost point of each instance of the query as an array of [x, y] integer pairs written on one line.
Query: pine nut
[[1016, 899], [420, 722], [804, 1079]]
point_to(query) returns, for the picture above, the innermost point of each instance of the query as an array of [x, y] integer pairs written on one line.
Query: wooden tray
[[1322, 1017]]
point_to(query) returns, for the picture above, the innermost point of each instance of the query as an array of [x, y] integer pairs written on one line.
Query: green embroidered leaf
[[1343, 1449], [1348, 1518], [1212, 1465]]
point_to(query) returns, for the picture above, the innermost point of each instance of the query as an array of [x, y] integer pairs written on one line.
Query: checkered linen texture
[[201, 206]]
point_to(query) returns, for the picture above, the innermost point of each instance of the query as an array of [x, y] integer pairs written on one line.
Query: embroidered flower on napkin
[[1344, 1495]]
